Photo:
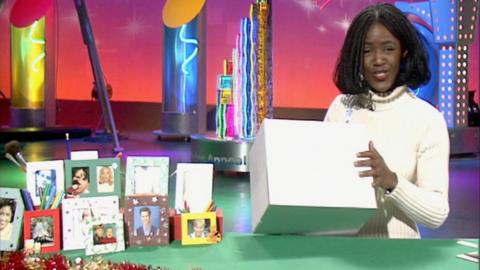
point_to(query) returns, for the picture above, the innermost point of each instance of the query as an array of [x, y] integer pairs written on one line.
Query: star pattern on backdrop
[[309, 6], [135, 26], [344, 23], [328, 22]]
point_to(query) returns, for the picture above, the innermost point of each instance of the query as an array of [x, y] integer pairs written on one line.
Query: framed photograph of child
[[77, 212], [11, 218], [147, 176], [105, 235], [199, 228], [43, 226], [41, 174], [91, 178], [146, 217]]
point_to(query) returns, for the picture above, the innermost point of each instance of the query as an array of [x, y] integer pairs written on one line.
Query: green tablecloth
[[247, 251]]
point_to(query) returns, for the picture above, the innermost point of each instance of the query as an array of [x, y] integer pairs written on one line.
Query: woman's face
[[381, 58], [5, 216]]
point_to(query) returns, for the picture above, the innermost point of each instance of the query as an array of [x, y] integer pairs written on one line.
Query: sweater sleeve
[[426, 200]]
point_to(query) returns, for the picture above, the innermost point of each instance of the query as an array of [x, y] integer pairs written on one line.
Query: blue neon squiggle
[[193, 54]]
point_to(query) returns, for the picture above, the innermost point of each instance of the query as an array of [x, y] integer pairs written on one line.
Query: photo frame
[[194, 187], [84, 154], [105, 235], [149, 212], [77, 212], [91, 178], [41, 172], [147, 176], [11, 207], [199, 228], [43, 226]]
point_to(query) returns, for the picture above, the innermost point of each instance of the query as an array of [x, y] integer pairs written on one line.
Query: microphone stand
[[99, 80]]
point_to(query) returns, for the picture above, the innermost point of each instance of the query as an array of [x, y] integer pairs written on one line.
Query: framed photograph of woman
[[41, 174], [43, 226], [147, 176], [77, 212], [147, 220], [105, 235], [11, 217], [199, 228], [92, 178]]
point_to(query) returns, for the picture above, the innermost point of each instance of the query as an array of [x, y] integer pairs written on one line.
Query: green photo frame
[[92, 178], [147, 176], [11, 205]]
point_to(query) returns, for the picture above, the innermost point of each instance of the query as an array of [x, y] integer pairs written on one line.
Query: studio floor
[[231, 191]]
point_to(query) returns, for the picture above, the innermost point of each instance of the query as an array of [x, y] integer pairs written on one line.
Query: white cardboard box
[[302, 178]]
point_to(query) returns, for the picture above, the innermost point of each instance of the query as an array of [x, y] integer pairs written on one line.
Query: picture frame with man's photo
[[41, 174], [105, 235], [43, 226], [11, 218], [147, 220], [77, 212], [92, 178], [147, 176]]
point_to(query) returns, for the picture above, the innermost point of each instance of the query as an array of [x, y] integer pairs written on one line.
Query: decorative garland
[[19, 260]]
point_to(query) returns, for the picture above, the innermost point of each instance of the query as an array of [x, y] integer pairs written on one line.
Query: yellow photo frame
[[199, 228]]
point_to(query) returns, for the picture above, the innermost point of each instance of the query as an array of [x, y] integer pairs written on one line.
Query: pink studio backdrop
[[307, 36]]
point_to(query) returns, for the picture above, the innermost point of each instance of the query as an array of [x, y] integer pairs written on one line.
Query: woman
[[382, 57], [6, 218]]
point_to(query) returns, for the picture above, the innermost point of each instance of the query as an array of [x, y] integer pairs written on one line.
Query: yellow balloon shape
[[179, 12]]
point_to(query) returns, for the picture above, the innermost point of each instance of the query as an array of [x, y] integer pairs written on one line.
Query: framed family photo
[[77, 212], [90, 178], [147, 175], [11, 217], [43, 173], [43, 226], [199, 228], [105, 235], [147, 221]]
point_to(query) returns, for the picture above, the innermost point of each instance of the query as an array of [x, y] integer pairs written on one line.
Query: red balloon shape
[[26, 12]]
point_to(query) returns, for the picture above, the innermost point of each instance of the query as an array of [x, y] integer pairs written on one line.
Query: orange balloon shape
[[179, 12]]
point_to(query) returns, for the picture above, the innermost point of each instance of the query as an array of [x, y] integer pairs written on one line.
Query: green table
[[247, 251]]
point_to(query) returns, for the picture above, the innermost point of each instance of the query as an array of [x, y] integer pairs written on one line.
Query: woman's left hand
[[382, 176]]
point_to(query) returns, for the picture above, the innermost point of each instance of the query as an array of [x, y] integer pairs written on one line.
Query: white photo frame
[[113, 222], [40, 172], [84, 155], [194, 186], [9, 240], [77, 212], [147, 176]]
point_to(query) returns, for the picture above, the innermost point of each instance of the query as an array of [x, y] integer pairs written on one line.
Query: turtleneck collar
[[384, 103]]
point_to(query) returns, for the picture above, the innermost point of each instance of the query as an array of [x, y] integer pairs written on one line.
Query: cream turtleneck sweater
[[412, 138]]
